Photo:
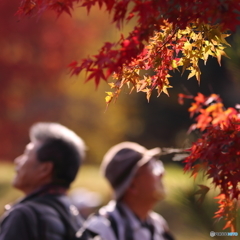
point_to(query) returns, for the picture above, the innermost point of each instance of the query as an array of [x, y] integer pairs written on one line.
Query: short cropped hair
[[62, 147]]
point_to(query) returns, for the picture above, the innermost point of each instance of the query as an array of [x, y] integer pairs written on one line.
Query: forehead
[[154, 166], [32, 146]]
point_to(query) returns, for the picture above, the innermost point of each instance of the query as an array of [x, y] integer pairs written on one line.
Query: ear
[[46, 169]]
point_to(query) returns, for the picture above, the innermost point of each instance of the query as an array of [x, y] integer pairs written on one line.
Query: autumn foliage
[[217, 152], [168, 35]]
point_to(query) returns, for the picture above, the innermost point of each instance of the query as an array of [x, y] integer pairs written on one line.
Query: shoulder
[[158, 220], [21, 214], [97, 222], [17, 211], [47, 203], [57, 205], [15, 223], [101, 224]]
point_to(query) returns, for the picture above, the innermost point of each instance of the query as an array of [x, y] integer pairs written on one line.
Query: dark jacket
[[31, 220]]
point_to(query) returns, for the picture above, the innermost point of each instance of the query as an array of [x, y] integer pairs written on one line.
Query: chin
[[16, 184], [160, 195]]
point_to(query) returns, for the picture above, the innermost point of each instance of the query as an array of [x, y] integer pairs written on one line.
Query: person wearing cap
[[44, 173], [135, 175]]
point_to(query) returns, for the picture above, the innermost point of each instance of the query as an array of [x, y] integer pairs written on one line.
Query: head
[[135, 171], [54, 155]]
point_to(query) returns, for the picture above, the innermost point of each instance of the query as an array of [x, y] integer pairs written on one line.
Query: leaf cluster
[[167, 35], [170, 49], [217, 152]]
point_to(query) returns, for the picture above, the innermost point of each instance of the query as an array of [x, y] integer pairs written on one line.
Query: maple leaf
[[194, 72], [200, 98], [181, 98], [89, 4], [76, 68], [109, 97], [26, 8], [164, 89], [202, 192], [96, 74]]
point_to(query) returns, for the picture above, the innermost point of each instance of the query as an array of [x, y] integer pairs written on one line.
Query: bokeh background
[[35, 85]]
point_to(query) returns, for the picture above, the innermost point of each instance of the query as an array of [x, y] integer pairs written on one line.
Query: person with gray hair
[[135, 175], [44, 173]]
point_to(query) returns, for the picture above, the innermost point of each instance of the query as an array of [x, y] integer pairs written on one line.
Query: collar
[[49, 189], [134, 220], [153, 218]]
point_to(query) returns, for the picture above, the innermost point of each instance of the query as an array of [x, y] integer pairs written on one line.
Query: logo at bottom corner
[[212, 234]]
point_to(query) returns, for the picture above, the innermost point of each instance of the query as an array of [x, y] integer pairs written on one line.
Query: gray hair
[[61, 146]]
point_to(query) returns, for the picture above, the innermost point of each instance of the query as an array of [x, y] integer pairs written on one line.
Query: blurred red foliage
[[34, 53]]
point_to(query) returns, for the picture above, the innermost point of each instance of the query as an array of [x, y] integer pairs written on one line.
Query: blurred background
[[35, 85]]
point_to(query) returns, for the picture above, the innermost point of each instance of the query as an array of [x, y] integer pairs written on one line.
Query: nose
[[158, 170]]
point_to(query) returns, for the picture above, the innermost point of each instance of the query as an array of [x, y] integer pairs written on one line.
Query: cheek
[[160, 185], [25, 169], [22, 164], [159, 182], [147, 186], [160, 192]]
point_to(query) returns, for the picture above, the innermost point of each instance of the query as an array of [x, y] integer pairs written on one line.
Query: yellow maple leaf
[[109, 98], [192, 73], [165, 87], [174, 63]]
